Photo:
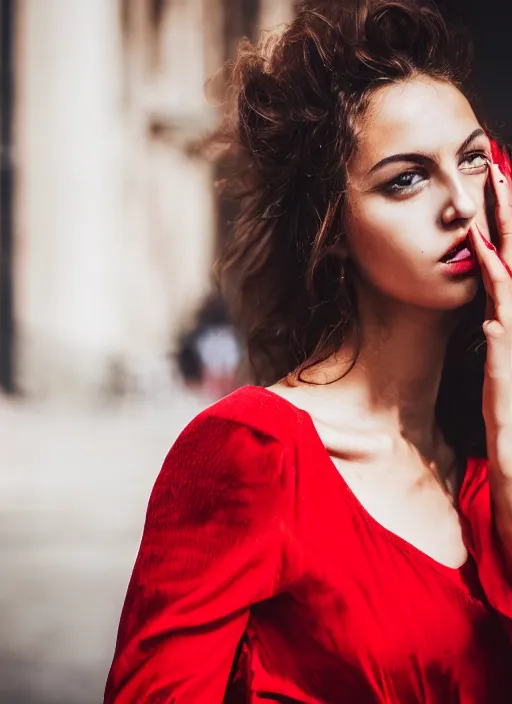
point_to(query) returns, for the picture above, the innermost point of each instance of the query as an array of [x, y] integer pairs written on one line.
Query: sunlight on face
[[415, 184]]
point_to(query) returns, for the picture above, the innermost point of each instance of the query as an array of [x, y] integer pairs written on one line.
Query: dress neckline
[[455, 574]]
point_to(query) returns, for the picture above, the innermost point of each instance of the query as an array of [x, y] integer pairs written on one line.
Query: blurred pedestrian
[[209, 355]]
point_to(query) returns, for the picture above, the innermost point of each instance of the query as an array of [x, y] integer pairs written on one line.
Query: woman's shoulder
[[241, 431], [235, 452], [254, 409]]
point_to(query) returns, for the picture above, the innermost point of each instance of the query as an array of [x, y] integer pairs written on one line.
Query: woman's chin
[[457, 294]]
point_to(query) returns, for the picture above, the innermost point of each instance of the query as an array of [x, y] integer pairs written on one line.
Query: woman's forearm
[[501, 492]]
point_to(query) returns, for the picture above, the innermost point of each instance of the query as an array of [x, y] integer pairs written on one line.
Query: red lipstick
[[463, 260], [462, 266]]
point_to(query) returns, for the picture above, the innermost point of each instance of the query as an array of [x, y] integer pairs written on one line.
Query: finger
[[490, 312], [485, 251], [500, 156], [496, 276], [498, 377], [503, 212]]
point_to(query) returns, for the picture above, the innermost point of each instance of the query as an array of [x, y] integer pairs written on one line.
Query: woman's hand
[[496, 267]]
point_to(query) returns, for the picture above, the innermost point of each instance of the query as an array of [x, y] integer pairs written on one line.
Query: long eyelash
[[393, 187], [477, 153]]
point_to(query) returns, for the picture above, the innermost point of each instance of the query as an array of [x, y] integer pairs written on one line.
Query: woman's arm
[[501, 490], [483, 541], [496, 267], [212, 546]]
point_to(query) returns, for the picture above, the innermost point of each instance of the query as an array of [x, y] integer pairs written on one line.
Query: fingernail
[[500, 173], [504, 170], [501, 160], [495, 151], [488, 244], [492, 329]]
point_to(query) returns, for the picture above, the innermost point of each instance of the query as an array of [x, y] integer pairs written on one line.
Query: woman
[[335, 537]]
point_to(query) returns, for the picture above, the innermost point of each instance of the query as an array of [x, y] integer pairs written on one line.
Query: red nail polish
[[500, 158], [488, 244], [495, 152]]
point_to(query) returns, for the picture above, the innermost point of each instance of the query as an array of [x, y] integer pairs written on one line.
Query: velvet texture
[[261, 578]]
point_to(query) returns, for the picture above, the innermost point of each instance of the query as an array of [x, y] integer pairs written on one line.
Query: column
[[67, 205]]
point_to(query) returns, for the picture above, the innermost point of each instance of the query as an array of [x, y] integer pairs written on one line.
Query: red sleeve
[[212, 546], [483, 541]]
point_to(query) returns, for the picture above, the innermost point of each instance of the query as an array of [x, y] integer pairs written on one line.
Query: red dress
[[261, 578]]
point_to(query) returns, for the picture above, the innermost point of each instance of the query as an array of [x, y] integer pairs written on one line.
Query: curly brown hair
[[298, 97]]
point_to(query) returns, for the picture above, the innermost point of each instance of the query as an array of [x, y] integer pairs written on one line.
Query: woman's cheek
[[378, 252], [383, 233]]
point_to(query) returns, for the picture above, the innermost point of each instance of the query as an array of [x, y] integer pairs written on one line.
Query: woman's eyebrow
[[422, 158]]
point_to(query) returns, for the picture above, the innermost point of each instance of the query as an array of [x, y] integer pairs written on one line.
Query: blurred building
[[114, 219], [108, 236], [108, 228]]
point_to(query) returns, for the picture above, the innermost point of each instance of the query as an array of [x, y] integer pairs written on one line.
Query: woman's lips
[[461, 254], [463, 246], [463, 262]]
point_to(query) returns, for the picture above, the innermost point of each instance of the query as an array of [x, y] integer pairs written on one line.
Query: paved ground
[[74, 486]]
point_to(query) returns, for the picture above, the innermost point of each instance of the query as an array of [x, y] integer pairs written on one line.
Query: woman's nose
[[461, 205]]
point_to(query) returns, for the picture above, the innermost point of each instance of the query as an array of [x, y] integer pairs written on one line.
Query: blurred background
[[111, 335]]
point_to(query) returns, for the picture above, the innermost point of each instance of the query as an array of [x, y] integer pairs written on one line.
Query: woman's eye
[[475, 162], [405, 183]]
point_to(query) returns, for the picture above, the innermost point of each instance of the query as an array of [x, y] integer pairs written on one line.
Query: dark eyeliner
[[476, 153], [394, 188]]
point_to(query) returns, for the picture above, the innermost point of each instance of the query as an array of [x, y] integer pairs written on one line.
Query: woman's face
[[415, 184]]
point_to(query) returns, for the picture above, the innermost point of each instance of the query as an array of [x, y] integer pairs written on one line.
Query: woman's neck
[[395, 381]]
